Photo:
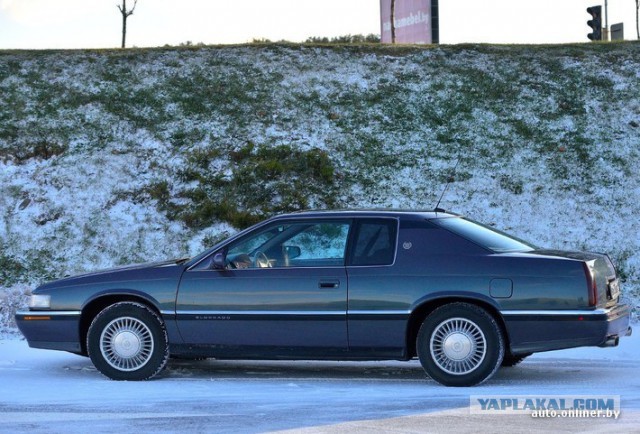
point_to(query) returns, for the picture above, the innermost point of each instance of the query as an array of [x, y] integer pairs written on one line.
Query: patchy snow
[[539, 156], [544, 153]]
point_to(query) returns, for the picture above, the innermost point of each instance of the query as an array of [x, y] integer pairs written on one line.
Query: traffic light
[[595, 23]]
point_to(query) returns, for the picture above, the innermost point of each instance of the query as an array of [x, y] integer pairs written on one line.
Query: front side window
[[296, 244]]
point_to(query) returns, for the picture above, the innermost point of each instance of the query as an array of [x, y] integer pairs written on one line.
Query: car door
[[378, 307], [283, 287]]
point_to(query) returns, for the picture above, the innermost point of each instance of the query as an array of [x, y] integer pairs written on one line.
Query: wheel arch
[[424, 309], [97, 304]]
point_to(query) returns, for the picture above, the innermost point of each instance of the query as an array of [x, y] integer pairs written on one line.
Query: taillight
[[592, 286]]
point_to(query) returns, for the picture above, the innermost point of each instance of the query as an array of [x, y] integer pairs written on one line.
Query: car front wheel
[[460, 344], [128, 341]]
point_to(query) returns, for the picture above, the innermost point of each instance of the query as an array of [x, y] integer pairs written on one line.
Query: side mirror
[[292, 252], [219, 261]]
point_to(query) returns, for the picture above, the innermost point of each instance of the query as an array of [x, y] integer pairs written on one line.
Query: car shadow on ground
[[321, 370], [533, 372], [530, 372]]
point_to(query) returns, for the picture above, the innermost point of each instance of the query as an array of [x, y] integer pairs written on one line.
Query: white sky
[[97, 23]]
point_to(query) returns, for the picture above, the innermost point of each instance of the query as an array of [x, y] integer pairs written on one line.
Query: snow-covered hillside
[[112, 157]]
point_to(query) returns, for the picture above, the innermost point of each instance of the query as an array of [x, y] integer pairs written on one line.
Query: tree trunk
[[393, 21], [125, 14], [637, 21], [124, 29]]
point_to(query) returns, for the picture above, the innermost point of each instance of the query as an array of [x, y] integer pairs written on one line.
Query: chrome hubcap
[[458, 346], [126, 344]]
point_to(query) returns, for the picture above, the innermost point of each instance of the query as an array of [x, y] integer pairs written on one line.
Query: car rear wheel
[[128, 341], [460, 344]]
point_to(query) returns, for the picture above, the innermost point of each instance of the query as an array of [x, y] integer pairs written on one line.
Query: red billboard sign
[[413, 21]]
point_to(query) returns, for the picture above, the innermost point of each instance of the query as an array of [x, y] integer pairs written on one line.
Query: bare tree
[[126, 14], [393, 21]]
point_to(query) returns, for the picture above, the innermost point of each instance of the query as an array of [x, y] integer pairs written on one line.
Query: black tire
[[510, 360], [128, 341], [460, 344]]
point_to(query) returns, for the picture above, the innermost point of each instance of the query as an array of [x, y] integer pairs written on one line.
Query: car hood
[[111, 273]]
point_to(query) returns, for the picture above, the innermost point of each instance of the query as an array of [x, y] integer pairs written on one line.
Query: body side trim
[[50, 313], [287, 312], [556, 312]]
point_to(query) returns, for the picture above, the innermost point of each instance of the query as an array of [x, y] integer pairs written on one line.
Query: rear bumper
[[618, 319], [546, 330], [52, 330]]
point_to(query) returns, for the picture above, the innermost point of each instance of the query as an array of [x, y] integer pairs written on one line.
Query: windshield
[[489, 238]]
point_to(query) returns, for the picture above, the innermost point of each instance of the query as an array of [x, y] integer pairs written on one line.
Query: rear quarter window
[[421, 238], [489, 238]]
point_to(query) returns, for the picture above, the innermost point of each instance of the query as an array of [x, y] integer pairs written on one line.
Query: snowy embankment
[[113, 157]]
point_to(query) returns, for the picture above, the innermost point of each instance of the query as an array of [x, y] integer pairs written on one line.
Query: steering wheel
[[260, 260]]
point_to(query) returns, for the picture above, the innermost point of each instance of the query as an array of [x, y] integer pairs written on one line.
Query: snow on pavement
[[49, 391]]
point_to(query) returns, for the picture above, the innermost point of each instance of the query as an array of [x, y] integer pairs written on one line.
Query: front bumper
[[52, 330]]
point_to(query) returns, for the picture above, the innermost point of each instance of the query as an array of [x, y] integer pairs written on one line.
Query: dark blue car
[[341, 285]]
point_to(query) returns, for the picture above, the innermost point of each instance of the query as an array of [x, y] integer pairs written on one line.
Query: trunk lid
[[603, 274]]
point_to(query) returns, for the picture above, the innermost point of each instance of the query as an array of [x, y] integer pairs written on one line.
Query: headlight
[[37, 301]]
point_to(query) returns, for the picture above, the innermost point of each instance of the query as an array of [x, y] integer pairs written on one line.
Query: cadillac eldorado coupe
[[462, 297]]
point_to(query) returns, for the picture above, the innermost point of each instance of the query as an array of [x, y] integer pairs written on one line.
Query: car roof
[[338, 213], [372, 212]]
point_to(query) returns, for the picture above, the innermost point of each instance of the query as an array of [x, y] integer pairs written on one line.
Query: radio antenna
[[450, 179]]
